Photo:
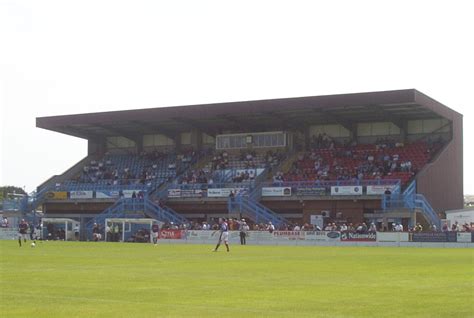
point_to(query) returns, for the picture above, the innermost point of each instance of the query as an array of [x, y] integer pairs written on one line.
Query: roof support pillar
[[307, 139], [196, 139], [96, 146], [403, 130], [177, 142], [353, 132], [139, 144]]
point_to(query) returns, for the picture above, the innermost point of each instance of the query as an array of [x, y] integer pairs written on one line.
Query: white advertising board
[[379, 189], [81, 194], [324, 236], [392, 237], [225, 192], [317, 219], [106, 194], [464, 237], [276, 192], [346, 190]]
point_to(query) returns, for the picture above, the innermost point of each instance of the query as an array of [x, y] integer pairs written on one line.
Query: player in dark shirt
[[22, 231], [224, 234], [155, 231]]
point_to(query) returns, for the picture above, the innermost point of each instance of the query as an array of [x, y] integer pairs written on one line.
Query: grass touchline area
[[86, 279]]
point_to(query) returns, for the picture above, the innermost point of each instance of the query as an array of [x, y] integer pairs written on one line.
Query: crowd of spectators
[[330, 161], [456, 227], [244, 167], [196, 176], [146, 168]]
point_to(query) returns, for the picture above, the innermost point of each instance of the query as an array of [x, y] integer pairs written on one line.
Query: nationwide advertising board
[[379, 189], [346, 190], [276, 192], [81, 194], [358, 237], [310, 191]]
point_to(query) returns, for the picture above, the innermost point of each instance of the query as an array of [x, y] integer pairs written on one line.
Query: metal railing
[[253, 210], [409, 199], [422, 203]]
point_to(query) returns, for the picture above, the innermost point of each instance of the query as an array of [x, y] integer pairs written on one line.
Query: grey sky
[[65, 57]]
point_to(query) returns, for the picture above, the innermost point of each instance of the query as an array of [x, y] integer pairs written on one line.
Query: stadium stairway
[[415, 202], [249, 207]]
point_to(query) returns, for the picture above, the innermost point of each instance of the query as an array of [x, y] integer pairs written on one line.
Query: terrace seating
[[236, 167], [362, 162], [122, 171]]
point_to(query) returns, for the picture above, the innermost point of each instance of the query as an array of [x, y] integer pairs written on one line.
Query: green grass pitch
[[72, 279]]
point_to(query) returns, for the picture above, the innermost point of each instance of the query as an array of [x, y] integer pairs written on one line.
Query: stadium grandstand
[[378, 157]]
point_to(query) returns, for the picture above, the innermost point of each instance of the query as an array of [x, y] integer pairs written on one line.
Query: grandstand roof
[[273, 114]]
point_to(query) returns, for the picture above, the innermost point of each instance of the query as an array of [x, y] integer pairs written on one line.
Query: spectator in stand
[[372, 228], [466, 227], [398, 227], [455, 227], [361, 228], [5, 222], [343, 228], [418, 227], [388, 196], [445, 227], [270, 227]]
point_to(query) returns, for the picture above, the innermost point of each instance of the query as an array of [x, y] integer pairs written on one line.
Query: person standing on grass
[[155, 231], [96, 233], [224, 234], [22, 231], [76, 232], [243, 227]]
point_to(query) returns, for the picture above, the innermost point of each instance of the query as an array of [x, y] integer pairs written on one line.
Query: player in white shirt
[[224, 234]]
